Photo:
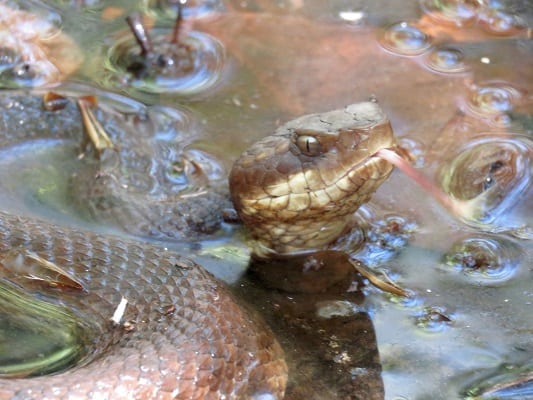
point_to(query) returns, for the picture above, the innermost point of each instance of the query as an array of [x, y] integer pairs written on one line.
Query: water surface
[[449, 79]]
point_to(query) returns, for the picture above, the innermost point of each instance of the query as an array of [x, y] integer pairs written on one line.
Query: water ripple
[[453, 12], [490, 173], [446, 59], [486, 260], [190, 67], [405, 39]]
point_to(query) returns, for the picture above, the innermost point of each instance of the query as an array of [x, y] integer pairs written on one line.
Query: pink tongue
[[456, 207]]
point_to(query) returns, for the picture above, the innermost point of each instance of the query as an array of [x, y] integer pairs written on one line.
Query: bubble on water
[[493, 97], [486, 260], [405, 39], [446, 59], [193, 65], [501, 22], [454, 12], [492, 172]]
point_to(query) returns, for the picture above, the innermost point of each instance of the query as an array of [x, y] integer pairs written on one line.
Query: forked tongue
[[459, 208]]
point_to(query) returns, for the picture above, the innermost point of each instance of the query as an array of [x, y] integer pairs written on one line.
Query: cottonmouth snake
[[295, 189], [187, 338]]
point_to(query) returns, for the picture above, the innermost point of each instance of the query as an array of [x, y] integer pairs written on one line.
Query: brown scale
[[295, 189]]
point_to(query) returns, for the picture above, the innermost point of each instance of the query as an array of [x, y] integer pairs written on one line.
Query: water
[[456, 12], [405, 39], [190, 70], [446, 59], [469, 323], [491, 173], [484, 260]]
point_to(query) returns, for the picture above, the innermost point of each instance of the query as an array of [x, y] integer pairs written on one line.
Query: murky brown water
[[453, 82]]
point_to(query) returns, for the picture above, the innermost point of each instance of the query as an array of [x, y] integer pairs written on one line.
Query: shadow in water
[[328, 338]]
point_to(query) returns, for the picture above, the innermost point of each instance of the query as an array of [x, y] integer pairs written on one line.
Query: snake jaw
[[296, 189]]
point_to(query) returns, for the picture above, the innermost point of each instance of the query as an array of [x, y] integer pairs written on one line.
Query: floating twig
[[93, 129], [389, 286]]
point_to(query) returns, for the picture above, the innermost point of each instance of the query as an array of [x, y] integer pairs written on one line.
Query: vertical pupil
[[307, 145]]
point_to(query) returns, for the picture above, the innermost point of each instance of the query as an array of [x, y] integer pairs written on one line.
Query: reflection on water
[[467, 332], [492, 173], [38, 336], [34, 50]]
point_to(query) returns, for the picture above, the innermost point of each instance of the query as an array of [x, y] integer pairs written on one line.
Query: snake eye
[[308, 145]]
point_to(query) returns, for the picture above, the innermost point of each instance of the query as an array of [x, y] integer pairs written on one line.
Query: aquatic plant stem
[[93, 129], [177, 25], [140, 33]]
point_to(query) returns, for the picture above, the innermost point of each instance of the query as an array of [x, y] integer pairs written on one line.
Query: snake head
[[295, 188]]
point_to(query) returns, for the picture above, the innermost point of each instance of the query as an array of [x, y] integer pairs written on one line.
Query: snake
[[180, 334], [295, 189]]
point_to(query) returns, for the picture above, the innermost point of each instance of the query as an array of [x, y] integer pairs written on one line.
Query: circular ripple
[[493, 97], [501, 22], [190, 9], [446, 59], [192, 66], [405, 39], [491, 172], [454, 12], [433, 319], [484, 259]]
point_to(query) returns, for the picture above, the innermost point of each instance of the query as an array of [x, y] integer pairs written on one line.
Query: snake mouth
[[372, 167], [296, 197], [372, 158]]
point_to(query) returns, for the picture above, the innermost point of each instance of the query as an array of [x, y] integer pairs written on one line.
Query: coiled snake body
[[190, 340]]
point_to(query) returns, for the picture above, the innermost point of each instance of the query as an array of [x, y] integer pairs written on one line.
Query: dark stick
[[177, 25], [140, 33]]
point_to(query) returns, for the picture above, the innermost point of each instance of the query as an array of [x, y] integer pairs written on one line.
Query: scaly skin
[[295, 189], [207, 347], [190, 339]]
